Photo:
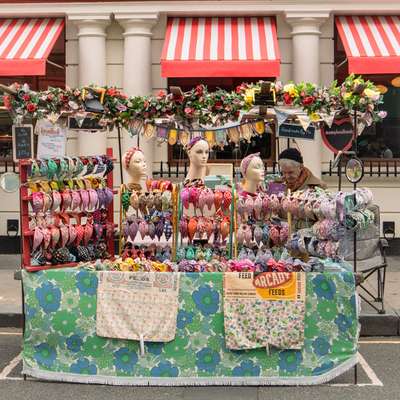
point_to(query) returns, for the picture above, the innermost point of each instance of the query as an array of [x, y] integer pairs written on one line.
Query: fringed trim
[[200, 381]]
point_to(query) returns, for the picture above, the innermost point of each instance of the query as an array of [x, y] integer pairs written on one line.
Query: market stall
[[247, 277]]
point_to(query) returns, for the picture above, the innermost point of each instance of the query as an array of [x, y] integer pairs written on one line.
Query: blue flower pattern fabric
[[60, 333]]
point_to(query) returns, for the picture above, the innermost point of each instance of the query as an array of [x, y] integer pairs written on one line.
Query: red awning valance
[[221, 47], [25, 44], [372, 43]]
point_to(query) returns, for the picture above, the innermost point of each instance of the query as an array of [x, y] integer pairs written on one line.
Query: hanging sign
[[22, 139], [294, 131], [84, 124], [52, 140], [339, 136]]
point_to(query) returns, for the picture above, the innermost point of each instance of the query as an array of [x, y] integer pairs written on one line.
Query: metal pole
[[120, 154]]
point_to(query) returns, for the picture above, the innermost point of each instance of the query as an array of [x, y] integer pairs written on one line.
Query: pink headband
[[246, 162], [194, 141], [129, 154]]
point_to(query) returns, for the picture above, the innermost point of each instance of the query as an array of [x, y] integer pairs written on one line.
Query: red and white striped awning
[[25, 44], [221, 47], [372, 43]]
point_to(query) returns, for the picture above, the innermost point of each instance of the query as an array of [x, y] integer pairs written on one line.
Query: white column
[[92, 71], [306, 68], [137, 70]]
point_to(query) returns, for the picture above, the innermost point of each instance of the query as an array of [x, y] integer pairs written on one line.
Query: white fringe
[[190, 381]]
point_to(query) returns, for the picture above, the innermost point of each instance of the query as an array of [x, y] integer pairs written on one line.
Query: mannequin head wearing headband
[[253, 172], [134, 163], [198, 151]]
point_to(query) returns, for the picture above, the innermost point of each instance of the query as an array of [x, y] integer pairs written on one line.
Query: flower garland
[[195, 108]]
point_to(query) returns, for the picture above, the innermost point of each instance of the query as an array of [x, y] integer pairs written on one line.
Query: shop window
[[55, 77], [381, 140], [265, 144]]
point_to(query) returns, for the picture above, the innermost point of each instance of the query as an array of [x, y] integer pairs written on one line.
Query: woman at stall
[[295, 175]]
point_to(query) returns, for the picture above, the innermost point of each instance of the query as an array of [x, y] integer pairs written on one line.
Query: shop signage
[[22, 138], [339, 137], [87, 124], [294, 131], [52, 140]]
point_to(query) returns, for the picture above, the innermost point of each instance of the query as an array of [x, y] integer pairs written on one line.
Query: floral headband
[[129, 154], [193, 142], [246, 162]]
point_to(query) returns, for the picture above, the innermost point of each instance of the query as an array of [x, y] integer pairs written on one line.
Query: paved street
[[378, 378]]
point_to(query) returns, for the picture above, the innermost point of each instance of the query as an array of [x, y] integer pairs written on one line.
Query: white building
[[120, 44]]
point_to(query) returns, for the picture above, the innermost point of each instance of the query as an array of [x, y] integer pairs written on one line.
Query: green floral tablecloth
[[60, 341]]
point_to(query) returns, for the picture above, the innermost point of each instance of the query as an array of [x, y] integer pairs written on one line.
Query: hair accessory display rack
[[27, 234]]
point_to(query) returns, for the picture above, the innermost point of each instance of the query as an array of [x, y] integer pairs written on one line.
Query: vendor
[[295, 175]]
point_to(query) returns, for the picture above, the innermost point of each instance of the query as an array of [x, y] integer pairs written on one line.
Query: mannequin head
[[253, 172], [198, 151], [134, 163]]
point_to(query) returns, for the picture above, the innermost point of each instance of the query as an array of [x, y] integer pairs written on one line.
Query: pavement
[[377, 378], [372, 323]]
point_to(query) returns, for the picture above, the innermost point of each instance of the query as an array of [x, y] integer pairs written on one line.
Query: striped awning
[[372, 43], [25, 44], [221, 47]]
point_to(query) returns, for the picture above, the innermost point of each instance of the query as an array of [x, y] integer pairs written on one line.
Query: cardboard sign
[[52, 140], [294, 131], [290, 286], [339, 136], [22, 139]]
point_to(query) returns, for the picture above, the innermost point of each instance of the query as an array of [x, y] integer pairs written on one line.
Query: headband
[[129, 154], [246, 162], [194, 141]]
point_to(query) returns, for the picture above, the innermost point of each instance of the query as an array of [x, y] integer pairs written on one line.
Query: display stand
[[27, 234]]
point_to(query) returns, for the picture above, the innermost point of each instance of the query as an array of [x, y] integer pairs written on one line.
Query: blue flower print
[[348, 277], [154, 348], [323, 368], [184, 318], [343, 322], [207, 359], [30, 311], [164, 369], [83, 366], [206, 299], [74, 343], [321, 346], [125, 359], [45, 355], [289, 360], [87, 282], [48, 297], [246, 368], [324, 287]]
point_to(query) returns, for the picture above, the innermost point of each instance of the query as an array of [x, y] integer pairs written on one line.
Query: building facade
[[120, 44]]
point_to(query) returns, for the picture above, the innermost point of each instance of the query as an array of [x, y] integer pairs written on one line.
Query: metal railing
[[374, 167]]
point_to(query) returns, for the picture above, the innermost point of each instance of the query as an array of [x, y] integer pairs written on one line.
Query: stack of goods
[[259, 226], [332, 215], [69, 218], [285, 264], [147, 215], [205, 214]]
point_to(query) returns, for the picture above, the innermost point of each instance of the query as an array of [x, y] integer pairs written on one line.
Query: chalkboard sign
[[295, 131], [22, 142], [339, 136], [88, 124]]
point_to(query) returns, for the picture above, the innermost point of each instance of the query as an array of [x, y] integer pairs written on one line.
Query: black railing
[[372, 167], [8, 166]]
